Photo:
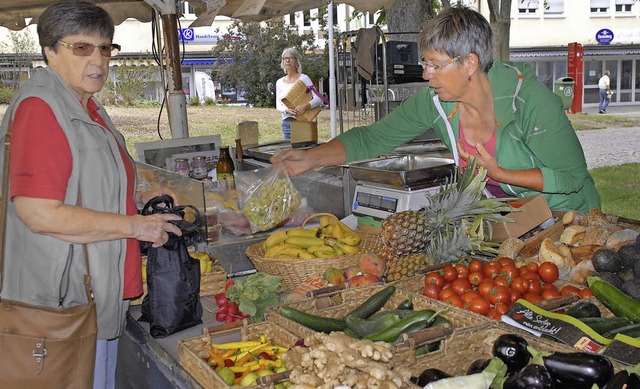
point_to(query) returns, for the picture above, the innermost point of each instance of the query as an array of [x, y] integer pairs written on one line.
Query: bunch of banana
[[206, 263], [332, 238]]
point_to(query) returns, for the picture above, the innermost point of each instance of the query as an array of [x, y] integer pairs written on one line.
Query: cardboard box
[[304, 132], [530, 212]]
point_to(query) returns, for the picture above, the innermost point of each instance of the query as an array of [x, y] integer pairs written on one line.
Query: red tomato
[[535, 286], [506, 261], [470, 295], [520, 285], [491, 269], [549, 286], [522, 270], [480, 306], [492, 314], [499, 294], [445, 293], [549, 294], [431, 291], [475, 278], [446, 285], [450, 273], [569, 289], [548, 272], [501, 308], [484, 288], [463, 271], [533, 268], [454, 300], [533, 298], [584, 293], [514, 296], [460, 286], [501, 280], [509, 271], [434, 278], [476, 265]]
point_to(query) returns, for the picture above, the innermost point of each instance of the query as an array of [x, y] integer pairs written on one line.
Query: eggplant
[[512, 350], [578, 370], [428, 376], [478, 366], [623, 380], [531, 377]]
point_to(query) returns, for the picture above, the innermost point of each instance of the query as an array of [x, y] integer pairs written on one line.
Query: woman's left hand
[[483, 158]]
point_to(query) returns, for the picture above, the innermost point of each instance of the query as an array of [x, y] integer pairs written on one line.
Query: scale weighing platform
[[379, 200]]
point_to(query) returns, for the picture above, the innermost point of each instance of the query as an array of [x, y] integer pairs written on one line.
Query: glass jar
[[199, 167], [181, 166]]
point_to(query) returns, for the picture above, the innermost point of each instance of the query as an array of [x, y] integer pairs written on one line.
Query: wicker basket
[[295, 271], [339, 304], [300, 94], [192, 352]]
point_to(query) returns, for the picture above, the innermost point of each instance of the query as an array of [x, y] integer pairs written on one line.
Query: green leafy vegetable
[[256, 295]]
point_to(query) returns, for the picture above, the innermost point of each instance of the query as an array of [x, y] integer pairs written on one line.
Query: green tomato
[[227, 375], [249, 379]]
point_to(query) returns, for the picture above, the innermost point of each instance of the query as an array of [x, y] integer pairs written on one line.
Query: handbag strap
[[4, 200]]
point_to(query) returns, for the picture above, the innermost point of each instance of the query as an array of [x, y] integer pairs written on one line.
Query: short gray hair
[[459, 31], [296, 54], [69, 18]]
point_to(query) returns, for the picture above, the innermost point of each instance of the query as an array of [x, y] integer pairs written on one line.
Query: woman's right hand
[[155, 228], [292, 162]]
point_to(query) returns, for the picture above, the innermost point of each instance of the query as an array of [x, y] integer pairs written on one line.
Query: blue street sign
[[604, 36], [186, 34]]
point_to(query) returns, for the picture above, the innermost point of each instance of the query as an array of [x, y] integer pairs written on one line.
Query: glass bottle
[[224, 169]]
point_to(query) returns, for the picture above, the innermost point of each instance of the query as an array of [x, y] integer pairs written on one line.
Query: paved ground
[[612, 146]]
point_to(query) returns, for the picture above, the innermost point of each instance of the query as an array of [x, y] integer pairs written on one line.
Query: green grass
[[619, 189]]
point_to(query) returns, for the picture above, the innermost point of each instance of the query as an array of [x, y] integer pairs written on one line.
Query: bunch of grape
[[271, 204]]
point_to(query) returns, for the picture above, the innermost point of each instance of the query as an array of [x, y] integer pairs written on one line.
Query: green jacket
[[534, 132], [35, 268]]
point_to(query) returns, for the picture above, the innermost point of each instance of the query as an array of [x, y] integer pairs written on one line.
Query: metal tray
[[405, 170]]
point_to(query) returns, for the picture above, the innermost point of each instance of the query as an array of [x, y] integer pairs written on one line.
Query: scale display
[[379, 202]]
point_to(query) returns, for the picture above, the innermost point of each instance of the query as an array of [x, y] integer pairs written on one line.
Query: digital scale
[[379, 200], [394, 184]]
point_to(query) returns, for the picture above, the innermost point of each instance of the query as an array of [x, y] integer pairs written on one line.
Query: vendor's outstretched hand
[[292, 162]]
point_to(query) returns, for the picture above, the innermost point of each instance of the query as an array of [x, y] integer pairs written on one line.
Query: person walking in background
[[63, 146], [604, 85], [292, 67]]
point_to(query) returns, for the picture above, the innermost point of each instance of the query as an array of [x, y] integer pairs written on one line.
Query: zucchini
[[402, 313], [373, 303], [316, 323], [613, 298], [406, 304], [602, 325], [583, 309], [351, 334], [632, 330], [419, 320], [441, 321], [364, 327]]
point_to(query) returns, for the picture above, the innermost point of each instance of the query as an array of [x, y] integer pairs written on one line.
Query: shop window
[[527, 7], [599, 6], [306, 18], [554, 7], [624, 6]]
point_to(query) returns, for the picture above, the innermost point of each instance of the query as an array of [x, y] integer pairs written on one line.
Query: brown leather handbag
[[44, 346]]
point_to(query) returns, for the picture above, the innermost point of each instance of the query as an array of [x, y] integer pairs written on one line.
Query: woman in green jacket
[[496, 111]]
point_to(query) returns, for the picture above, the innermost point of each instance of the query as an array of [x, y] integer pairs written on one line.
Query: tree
[[248, 57], [22, 48], [130, 81], [500, 19]]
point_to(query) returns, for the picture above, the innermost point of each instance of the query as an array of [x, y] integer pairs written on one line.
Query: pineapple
[[399, 268], [450, 226]]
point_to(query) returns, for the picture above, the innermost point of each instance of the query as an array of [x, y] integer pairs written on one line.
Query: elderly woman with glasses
[[495, 111], [292, 68], [72, 183]]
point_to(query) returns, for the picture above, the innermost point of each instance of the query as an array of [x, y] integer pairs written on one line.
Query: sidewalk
[[614, 109]]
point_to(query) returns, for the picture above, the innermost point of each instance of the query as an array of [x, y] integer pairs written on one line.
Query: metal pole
[[176, 100], [332, 74]]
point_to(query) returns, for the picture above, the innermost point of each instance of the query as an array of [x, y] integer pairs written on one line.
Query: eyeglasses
[[437, 68], [288, 58], [84, 49]]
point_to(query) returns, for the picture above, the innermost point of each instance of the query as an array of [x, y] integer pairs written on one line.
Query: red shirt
[[33, 173]]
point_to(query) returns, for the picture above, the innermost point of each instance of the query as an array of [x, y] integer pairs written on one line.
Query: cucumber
[[602, 325], [613, 298], [632, 330], [316, 323], [373, 303], [583, 309], [390, 334], [350, 333], [441, 321], [406, 304], [364, 327], [402, 313]]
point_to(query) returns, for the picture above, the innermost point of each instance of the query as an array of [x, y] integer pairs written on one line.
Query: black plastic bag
[[172, 303]]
